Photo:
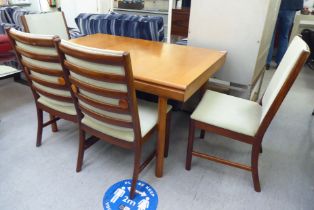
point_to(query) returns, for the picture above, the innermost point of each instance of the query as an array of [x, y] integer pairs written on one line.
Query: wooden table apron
[[166, 70]]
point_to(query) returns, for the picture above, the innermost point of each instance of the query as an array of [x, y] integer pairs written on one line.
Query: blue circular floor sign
[[117, 197]]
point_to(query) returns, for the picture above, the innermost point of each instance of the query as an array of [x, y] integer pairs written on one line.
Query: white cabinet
[[244, 28]]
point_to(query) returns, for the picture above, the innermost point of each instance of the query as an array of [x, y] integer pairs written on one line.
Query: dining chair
[[244, 120], [52, 23], [102, 85], [38, 56]]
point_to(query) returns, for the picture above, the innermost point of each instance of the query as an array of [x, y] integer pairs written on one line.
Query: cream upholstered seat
[[105, 99], [42, 67], [229, 112], [148, 116], [244, 120], [51, 23], [67, 109]]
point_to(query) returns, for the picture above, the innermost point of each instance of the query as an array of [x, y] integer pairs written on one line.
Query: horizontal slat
[[48, 42], [103, 106], [99, 91], [53, 96], [92, 57], [50, 72], [48, 84], [106, 77], [222, 161], [105, 119], [35, 56]]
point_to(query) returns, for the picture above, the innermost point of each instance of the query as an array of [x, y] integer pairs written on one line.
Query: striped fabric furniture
[[102, 85], [42, 67], [11, 17], [243, 120], [134, 26]]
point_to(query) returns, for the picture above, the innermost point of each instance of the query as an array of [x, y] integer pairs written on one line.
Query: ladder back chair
[[245, 120], [102, 85], [39, 58]]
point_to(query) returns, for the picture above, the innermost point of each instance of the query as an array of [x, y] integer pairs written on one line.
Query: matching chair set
[[94, 88], [91, 87]]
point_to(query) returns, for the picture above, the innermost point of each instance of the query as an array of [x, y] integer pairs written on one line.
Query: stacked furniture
[[11, 17], [134, 26]]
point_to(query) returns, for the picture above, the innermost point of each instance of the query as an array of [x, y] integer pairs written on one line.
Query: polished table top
[[169, 70]]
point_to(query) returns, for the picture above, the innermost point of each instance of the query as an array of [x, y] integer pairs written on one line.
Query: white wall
[[72, 8], [34, 5], [40, 5], [308, 3]]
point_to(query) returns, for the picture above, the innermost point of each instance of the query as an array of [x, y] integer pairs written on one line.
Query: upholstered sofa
[[135, 26]]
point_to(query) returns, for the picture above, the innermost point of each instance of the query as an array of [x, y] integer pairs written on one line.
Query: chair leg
[[81, 151], [167, 138], [190, 146], [54, 127], [254, 162], [136, 171], [202, 134], [39, 127]]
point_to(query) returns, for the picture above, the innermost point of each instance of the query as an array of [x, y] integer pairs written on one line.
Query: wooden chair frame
[[54, 115], [128, 104], [26, 28], [255, 141]]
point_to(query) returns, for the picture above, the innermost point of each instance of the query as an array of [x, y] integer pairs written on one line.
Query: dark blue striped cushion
[[135, 26]]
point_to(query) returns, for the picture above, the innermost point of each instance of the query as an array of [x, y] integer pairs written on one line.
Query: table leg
[[162, 115]]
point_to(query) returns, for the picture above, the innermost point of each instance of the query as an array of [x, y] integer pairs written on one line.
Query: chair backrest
[[52, 23], [102, 84], [282, 80], [42, 66]]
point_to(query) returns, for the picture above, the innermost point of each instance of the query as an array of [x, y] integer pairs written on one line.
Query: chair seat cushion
[[66, 108], [148, 115], [229, 112]]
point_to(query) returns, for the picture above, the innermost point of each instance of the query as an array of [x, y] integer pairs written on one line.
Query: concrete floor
[[45, 178]]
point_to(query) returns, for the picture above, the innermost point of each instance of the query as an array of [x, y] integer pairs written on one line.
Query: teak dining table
[[166, 70]]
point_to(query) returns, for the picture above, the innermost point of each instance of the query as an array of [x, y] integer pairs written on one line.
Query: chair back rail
[[39, 57], [102, 84]]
